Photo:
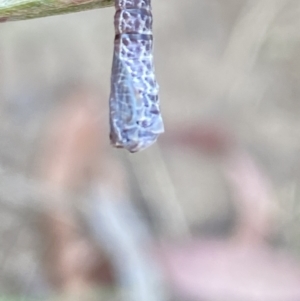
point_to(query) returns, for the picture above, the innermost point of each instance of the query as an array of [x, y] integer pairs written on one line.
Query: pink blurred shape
[[223, 270], [244, 266]]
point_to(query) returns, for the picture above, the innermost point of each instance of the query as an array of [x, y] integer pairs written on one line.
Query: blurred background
[[210, 212]]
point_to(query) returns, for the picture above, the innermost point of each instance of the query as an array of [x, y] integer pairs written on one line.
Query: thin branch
[[13, 10]]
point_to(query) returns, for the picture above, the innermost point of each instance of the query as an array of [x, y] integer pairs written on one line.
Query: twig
[[13, 10]]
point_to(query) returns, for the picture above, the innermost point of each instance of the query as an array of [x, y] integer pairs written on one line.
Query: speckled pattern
[[135, 119]]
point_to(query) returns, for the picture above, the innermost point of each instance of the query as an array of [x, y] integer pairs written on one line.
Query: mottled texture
[[135, 120], [13, 10]]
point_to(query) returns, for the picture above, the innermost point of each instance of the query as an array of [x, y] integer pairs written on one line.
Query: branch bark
[[13, 10]]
